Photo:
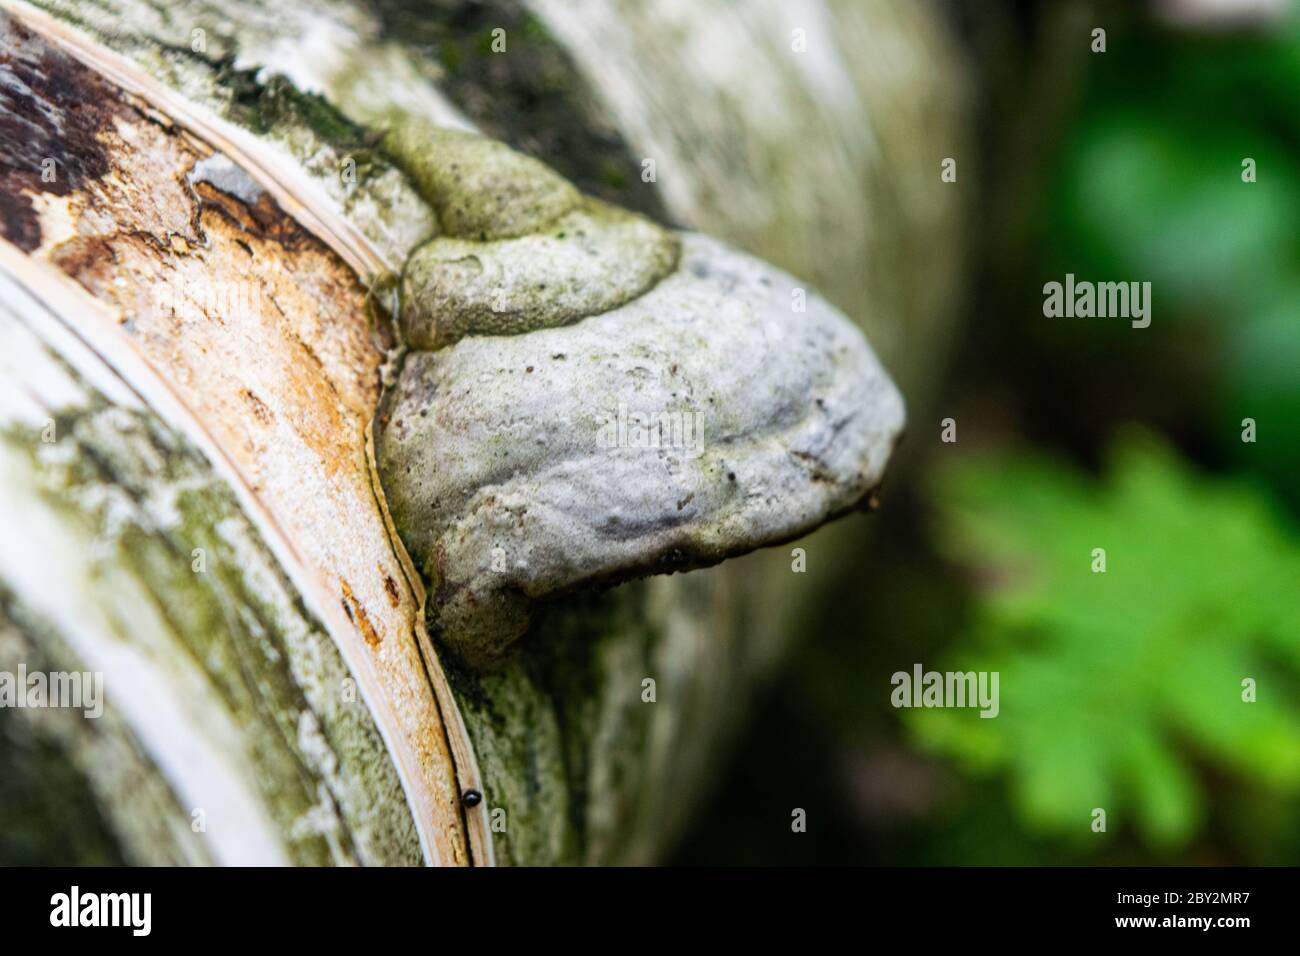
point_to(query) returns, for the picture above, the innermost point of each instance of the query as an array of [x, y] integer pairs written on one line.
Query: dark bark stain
[[263, 219], [51, 112], [356, 613], [81, 256], [258, 407], [390, 587]]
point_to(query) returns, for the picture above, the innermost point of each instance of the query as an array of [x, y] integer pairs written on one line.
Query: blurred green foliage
[[1123, 690], [1119, 688], [1151, 188]]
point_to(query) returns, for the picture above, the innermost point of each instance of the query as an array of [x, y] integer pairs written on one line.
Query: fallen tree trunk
[[204, 226]]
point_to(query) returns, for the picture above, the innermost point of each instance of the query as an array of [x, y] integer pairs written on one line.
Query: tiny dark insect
[[471, 798]]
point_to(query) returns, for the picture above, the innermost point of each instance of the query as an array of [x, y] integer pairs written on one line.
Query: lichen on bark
[[179, 572]]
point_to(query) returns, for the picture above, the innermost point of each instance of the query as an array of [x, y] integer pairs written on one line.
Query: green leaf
[[1118, 688]]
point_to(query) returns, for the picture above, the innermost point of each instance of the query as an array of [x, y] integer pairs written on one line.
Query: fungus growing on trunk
[[644, 402]]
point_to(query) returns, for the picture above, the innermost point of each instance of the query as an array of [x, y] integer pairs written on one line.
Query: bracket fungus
[[518, 247], [591, 398]]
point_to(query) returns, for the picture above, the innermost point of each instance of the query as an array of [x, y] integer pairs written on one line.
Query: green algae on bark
[[142, 558], [590, 733]]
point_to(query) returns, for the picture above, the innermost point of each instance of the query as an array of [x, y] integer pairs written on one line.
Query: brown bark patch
[[51, 141], [356, 612]]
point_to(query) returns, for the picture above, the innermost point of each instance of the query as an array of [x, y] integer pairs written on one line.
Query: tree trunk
[[212, 216]]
